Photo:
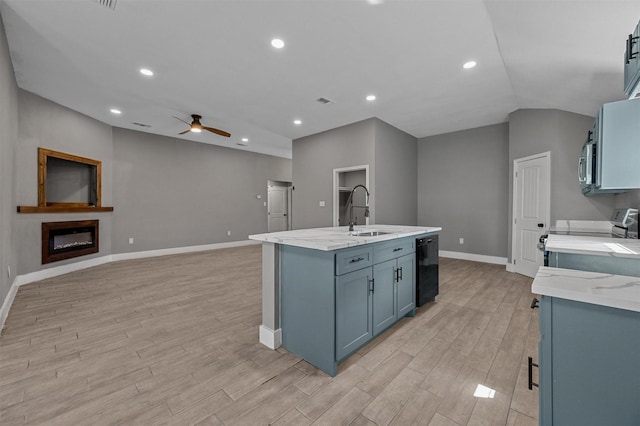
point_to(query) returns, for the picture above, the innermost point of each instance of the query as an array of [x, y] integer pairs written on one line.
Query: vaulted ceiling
[[214, 58]]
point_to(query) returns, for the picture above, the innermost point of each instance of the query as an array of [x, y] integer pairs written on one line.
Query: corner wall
[[396, 176], [8, 144], [46, 124], [315, 157]]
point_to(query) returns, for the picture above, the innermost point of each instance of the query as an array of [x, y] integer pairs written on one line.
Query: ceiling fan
[[196, 127]]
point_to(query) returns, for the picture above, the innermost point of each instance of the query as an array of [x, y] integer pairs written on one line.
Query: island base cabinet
[[589, 364], [384, 299], [335, 302], [353, 311], [406, 286]]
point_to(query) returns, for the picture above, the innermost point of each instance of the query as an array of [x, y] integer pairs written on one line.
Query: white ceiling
[[214, 58]]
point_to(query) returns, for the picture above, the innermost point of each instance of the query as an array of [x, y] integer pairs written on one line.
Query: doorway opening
[[279, 206], [344, 179]]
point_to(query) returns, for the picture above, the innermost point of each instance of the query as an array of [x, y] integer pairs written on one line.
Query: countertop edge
[[547, 282], [337, 240]]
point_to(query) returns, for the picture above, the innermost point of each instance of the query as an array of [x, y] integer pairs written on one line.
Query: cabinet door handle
[[372, 286], [582, 168], [531, 365], [400, 273], [630, 53], [356, 260], [397, 249], [535, 303], [395, 274]]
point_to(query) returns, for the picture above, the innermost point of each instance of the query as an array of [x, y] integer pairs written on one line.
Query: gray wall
[[43, 123], [390, 155], [462, 187], [628, 199], [8, 144], [171, 192], [315, 157], [532, 131], [396, 175]]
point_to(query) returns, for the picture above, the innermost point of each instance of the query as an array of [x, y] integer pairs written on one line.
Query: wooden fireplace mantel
[[62, 209]]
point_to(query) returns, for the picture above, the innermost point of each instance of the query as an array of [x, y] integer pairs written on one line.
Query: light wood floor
[[174, 340]]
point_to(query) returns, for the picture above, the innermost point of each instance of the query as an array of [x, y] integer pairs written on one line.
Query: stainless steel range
[[623, 224]]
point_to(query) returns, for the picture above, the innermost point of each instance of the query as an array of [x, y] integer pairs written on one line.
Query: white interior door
[[278, 208], [530, 211]]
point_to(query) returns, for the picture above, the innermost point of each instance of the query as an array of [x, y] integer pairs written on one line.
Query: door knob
[[541, 225]]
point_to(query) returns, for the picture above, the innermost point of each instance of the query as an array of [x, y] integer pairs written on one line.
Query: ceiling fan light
[[196, 129]]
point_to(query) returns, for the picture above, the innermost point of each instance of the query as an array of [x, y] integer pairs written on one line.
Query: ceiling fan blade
[[217, 131], [186, 131], [188, 124]]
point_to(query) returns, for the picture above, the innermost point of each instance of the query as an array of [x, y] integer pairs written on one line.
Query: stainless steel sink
[[370, 234]]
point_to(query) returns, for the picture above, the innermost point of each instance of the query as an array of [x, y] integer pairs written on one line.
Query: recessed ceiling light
[[297, 122], [371, 98], [145, 71], [115, 111], [277, 43], [469, 65], [245, 140]]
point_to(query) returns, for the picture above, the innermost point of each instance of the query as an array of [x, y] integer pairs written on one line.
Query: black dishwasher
[[426, 269]]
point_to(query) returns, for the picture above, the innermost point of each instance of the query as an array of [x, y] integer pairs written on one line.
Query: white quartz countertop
[[615, 291], [598, 246], [328, 239]]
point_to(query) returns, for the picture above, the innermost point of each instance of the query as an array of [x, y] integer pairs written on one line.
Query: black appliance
[[426, 269]]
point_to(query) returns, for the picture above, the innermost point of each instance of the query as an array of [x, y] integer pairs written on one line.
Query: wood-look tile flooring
[[174, 340]]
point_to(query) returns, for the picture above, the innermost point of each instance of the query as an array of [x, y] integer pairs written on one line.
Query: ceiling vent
[[135, 123], [324, 101], [111, 4]]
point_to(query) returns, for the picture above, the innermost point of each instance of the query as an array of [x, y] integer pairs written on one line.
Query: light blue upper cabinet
[[610, 161], [632, 62], [618, 145]]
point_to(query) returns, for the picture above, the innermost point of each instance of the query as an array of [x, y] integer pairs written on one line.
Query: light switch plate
[[321, 203]]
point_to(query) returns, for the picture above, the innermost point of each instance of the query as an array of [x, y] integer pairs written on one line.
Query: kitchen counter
[[328, 239], [598, 246], [614, 291]]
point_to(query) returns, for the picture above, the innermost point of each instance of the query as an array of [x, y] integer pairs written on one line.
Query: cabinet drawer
[[353, 259], [393, 249]]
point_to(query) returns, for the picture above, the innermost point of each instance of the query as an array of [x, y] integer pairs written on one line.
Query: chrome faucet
[[351, 206]]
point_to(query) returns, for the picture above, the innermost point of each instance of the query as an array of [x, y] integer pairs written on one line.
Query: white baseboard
[[84, 264], [270, 338], [474, 257], [511, 267], [8, 300], [180, 250]]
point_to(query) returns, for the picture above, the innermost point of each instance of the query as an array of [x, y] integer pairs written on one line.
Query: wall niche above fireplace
[[67, 184]]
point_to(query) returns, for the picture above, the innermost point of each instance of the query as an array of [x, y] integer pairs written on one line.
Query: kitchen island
[[589, 349], [327, 291]]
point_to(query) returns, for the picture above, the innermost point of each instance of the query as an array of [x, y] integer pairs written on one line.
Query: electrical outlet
[[130, 240], [228, 233], [265, 204], [461, 240]]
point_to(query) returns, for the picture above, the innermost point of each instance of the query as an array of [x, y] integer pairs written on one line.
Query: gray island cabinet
[[589, 349], [332, 301]]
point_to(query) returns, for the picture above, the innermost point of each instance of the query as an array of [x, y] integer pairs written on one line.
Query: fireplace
[[65, 240]]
